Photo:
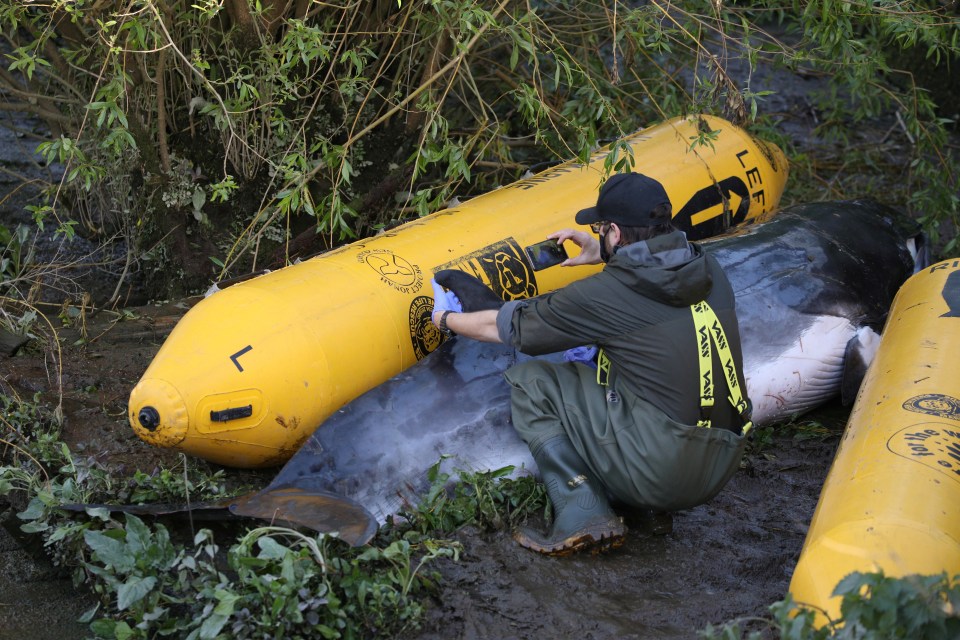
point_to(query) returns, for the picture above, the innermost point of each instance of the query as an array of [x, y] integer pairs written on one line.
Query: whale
[[813, 288]]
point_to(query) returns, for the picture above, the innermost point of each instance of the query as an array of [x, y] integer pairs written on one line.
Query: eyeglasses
[[598, 227]]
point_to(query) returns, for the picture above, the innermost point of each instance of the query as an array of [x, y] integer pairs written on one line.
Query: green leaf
[[849, 585], [122, 631], [226, 602], [100, 513], [35, 509], [88, 614], [199, 199], [34, 527], [133, 591], [211, 627], [104, 628], [110, 551], [138, 534], [270, 548], [370, 554], [399, 549]]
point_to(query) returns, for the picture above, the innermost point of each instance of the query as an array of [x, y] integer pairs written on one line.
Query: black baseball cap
[[627, 199]]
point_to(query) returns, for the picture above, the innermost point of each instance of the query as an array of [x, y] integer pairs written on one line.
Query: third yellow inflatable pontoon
[[892, 499], [249, 372]]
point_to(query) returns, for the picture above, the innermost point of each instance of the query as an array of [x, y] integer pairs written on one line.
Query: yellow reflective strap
[[704, 317], [603, 368], [705, 358]]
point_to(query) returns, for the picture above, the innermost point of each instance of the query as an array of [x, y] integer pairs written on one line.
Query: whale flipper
[[860, 351]]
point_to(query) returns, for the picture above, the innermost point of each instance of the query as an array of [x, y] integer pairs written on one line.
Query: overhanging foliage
[[264, 118]]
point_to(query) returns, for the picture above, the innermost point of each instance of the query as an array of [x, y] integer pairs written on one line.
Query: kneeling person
[[638, 421]]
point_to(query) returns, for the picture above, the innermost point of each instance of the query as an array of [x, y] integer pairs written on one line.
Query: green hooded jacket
[[638, 311]]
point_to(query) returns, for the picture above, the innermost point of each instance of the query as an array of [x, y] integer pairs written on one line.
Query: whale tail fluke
[[318, 510]]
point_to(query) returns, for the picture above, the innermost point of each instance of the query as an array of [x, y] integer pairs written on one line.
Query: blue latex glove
[[585, 355], [444, 300]]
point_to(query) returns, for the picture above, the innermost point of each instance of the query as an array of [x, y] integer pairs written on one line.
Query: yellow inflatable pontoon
[[891, 501], [250, 371]]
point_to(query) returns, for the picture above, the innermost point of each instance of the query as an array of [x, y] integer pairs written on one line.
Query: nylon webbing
[[710, 332], [603, 368]]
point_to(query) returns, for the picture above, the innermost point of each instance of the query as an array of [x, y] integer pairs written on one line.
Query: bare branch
[[162, 147], [37, 109]]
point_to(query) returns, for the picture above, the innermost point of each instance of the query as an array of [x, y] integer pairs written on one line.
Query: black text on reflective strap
[[703, 316]]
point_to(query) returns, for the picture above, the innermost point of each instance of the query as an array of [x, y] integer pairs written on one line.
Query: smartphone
[[546, 254]]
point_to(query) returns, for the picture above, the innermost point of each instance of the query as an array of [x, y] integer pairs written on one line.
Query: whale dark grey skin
[[812, 286]]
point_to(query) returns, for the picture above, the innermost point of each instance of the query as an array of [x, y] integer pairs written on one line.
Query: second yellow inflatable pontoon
[[891, 501], [249, 372]]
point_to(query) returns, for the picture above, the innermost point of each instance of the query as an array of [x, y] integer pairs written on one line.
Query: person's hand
[[443, 300], [589, 246]]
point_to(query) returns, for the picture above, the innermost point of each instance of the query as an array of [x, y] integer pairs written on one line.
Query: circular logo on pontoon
[[932, 444], [935, 404], [425, 335], [393, 270]]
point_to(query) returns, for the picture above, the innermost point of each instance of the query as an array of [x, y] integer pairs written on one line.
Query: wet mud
[[729, 558], [37, 599]]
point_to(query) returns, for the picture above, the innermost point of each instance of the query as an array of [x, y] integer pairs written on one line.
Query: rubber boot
[[582, 517]]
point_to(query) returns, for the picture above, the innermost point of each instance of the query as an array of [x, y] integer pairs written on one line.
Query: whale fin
[[473, 294], [318, 510], [860, 351]]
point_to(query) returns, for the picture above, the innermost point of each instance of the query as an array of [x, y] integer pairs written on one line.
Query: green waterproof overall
[[636, 428], [643, 457]]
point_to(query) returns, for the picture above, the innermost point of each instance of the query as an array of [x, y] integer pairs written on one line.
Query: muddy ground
[[729, 558]]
